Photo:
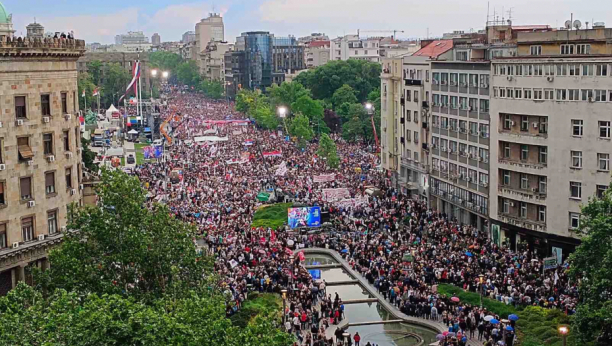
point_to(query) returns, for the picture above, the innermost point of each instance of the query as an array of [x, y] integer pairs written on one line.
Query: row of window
[[416, 137], [564, 49], [524, 152], [604, 128], [460, 172], [472, 199], [603, 161], [464, 103], [541, 124], [24, 147], [473, 152], [559, 69], [506, 180], [26, 190], [21, 108], [27, 229], [475, 129], [461, 79], [522, 209], [590, 95]]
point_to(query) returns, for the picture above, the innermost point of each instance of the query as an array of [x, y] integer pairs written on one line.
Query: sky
[[101, 20]]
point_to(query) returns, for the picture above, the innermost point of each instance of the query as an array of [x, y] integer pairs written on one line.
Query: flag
[[276, 153], [83, 93], [248, 142], [282, 169], [135, 76], [96, 92]]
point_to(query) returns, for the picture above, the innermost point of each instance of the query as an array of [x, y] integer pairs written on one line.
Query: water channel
[[382, 334]]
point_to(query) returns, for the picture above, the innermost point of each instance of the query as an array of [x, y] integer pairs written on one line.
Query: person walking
[[357, 338]]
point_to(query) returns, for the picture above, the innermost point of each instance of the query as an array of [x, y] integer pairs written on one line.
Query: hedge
[[267, 304], [473, 299]]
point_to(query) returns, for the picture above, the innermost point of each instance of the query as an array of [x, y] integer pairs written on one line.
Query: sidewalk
[[437, 326]]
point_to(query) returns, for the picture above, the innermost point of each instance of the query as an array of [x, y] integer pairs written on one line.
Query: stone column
[[45, 264], [21, 273]]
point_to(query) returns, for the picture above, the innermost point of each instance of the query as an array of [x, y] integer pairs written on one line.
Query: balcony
[[514, 135], [413, 82], [530, 196], [425, 104], [520, 222], [522, 164]]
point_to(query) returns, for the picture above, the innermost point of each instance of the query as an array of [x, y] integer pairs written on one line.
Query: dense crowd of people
[[402, 247]]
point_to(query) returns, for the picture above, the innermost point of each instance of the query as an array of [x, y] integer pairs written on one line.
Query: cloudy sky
[[101, 20]]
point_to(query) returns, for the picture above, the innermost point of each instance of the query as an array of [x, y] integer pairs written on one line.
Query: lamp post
[[481, 288], [282, 113], [284, 292], [227, 85], [563, 330], [153, 75]]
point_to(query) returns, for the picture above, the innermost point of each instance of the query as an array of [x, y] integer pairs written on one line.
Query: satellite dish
[[577, 24], [568, 24]]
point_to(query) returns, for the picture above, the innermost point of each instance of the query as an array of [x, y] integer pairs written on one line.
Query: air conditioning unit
[[51, 158], [31, 204], [46, 119], [484, 85], [479, 158], [469, 180], [41, 237], [534, 189], [19, 122], [68, 155], [2, 166], [470, 108], [485, 185], [67, 116], [30, 162], [0, 124], [550, 78], [536, 125], [509, 78], [81, 187], [591, 99], [15, 245], [73, 192]]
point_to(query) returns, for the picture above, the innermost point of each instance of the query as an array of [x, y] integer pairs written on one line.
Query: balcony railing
[[522, 195], [522, 164], [521, 222]]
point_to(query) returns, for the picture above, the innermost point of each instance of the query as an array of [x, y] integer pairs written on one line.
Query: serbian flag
[[133, 84], [248, 142], [96, 92], [276, 153]]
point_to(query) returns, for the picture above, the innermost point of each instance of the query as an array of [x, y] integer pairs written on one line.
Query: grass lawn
[[139, 153], [273, 216], [258, 303]]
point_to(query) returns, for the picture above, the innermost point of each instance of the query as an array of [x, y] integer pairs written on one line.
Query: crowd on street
[[400, 245]]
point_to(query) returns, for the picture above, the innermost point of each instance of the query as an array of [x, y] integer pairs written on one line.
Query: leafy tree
[[300, 128], [313, 110], [286, 94], [116, 78], [353, 129], [87, 155], [212, 89], [84, 83], [348, 111], [188, 73], [591, 267], [327, 149], [247, 101], [265, 117], [123, 248], [165, 61], [332, 120], [343, 95], [95, 68]]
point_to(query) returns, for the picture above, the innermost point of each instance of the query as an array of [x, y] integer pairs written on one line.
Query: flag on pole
[[83, 93], [135, 76], [96, 92]]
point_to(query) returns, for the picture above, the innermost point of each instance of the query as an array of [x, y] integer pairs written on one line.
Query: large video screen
[[304, 217]]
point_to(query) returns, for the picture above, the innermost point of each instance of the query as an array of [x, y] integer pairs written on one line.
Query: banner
[[276, 153], [550, 263], [211, 132], [236, 132], [248, 142], [239, 161], [224, 122], [245, 155], [333, 195], [151, 152], [282, 169], [352, 202], [324, 178], [213, 150]]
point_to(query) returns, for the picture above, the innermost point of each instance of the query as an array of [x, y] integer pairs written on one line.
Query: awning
[[26, 152]]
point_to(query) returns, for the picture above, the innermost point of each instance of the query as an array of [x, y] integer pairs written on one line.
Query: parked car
[[131, 159]]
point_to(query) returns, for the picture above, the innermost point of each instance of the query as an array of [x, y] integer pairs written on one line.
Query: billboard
[[304, 217]]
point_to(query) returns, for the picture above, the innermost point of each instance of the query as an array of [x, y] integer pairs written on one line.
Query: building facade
[[188, 36], [213, 60], [6, 23], [35, 30], [287, 54], [125, 60], [156, 39], [317, 53], [40, 158], [209, 29], [354, 47], [550, 120], [391, 93], [132, 37], [258, 64]]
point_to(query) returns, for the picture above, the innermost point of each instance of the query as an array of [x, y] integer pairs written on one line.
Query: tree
[[352, 130], [84, 83], [87, 155], [188, 73], [94, 68], [327, 149], [286, 94], [300, 128], [116, 78], [348, 111], [345, 94], [123, 248], [265, 117], [212, 89], [247, 101], [332, 120], [591, 267], [165, 61], [313, 110]]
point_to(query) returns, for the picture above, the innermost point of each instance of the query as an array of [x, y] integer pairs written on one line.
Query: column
[[45, 265], [479, 223], [21, 273]]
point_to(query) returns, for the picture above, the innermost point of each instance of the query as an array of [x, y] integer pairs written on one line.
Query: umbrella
[[455, 299], [451, 334], [469, 254], [344, 250], [262, 251], [513, 317], [440, 337], [509, 328], [551, 299], [445, 333], [494, 321], [488, 318]]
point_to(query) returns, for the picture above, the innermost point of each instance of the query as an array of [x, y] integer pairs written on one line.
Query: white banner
[[352, 202], [324, 178], [282, 169], [332, 195], [236, 132]]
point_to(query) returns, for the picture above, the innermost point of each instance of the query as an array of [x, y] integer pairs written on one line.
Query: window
[[408, 94], [535, 50], [541, 213], [64, 103], [549, 94], [45, 105], [23, 148], [77, 136], [510, 93], [484, 179], [408, 112], [573, 94], [604, 129], [573, 69], [416, 96], [561, 70], [549, 70], [561, 95], [462, 56], [506, 206], [524, 181], [20, 107], [506, 150], [52, 222], [601, 189], [408, 136], [604, 161], [601, 95], [576, 159], [25, 184], [601, 70], [538, 70], [416, 137], [484, 80], [48, 143], [587, 95], [502, 93], [27, 228], [484, 130], [416, 116], [524, 123], [583, 49], [454, 102], [416, 156], [506, 178], [587, 70], [3, 239], [542, 185], [527, 94], [1, 150], [2, 193], [575, 190], [507, 121], [69, 178], [543, 155], [567, 49], [473, 128], [577, 127], [49, 183], [484, 106], [523, 210], [543, 125], [524, 152], [574, 220], [537, 94], [474, 80], [66, 138]]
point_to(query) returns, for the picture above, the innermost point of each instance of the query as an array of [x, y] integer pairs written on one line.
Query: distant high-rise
[[132, 37], [209, 29], [258, 48], [35, 30], [188, 37], [156, 39]]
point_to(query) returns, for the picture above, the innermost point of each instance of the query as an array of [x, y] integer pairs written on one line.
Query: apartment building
[[317, 53], [551, 129], [391, 97], [354, 47]]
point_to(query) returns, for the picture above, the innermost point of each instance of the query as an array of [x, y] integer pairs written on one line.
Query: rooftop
[[435, 49], [314, 44], [5, 18], [25, 46]]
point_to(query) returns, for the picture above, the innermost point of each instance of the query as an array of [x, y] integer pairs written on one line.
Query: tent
[[133, 132], [112, 112]]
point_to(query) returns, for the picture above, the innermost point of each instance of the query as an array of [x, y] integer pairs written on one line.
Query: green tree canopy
[[353, 129], [213, 89], [286, 94], [345, 94], [116, 78], [188, 73], [591, 266], [300, 128], [265, 117], [327, 149], [94, 68], [88, 156], [165, 61], [313, 110], [84, 83]]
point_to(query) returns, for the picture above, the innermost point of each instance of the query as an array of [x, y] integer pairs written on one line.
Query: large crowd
[[401, 246]]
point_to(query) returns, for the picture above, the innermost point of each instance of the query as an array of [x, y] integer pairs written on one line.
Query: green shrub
[[273, 216], [266, 304], [473, 299]]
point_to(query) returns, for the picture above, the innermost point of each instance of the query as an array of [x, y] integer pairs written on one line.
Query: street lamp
[[481, 279], [563, 330], [282, 111], [369, 107], [346, 336], [165, 74], [154, 73], [284, 292]]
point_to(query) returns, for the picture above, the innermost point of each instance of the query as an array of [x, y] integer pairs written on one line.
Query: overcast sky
[[101, 20]]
